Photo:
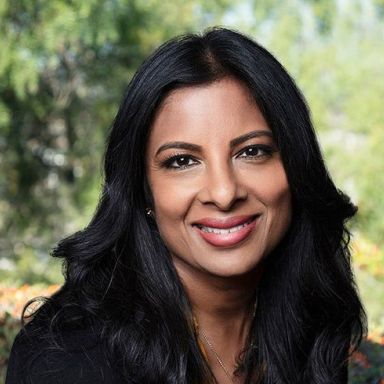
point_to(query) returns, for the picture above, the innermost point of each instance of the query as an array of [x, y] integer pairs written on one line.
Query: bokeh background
[[64, 66]]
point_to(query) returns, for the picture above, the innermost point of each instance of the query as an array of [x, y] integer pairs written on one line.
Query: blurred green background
[[64, 66]]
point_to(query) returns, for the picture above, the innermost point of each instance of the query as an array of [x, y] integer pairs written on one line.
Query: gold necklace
[[225, 369], [200, 330]]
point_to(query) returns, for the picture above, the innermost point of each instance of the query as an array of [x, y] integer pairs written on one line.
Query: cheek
[[276, 196], [171, 206], [281, 208], [272, 188], [172, 200]]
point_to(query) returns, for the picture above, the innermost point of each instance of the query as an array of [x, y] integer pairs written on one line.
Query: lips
[[226, 232]]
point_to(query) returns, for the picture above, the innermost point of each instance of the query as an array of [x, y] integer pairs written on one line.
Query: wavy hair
[[119, 274]]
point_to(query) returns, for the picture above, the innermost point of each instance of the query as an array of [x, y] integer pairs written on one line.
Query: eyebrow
[[249, 135], [198, 148]]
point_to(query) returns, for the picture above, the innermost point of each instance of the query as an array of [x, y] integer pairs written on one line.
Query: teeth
[[223, 231]]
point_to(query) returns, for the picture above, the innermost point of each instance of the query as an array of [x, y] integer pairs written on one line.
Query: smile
[[220, 231], [226, 233]]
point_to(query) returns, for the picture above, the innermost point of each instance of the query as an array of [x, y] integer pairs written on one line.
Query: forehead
[[223, 110]]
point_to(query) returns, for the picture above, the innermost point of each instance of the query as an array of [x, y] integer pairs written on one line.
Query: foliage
[[368, 256], [64, 66], [63, 69], [367, 363], [12, 301], [331, 49]]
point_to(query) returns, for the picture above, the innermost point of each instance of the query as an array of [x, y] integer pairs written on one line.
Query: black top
[[82, 360]]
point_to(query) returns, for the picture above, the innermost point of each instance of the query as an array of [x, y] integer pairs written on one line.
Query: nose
[[222, 187]]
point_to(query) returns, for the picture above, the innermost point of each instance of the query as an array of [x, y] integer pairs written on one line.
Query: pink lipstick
[[226, 232]]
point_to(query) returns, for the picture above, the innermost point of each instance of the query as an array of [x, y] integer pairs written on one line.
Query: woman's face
[[221, 197]]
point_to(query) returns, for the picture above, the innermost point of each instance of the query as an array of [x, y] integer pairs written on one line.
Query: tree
[[63, 69], [332, 50]]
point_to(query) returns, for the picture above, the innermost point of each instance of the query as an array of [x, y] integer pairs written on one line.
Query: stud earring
[[148, 211]]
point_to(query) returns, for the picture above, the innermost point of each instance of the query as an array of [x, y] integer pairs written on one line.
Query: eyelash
[[268, 150], [167, 163]]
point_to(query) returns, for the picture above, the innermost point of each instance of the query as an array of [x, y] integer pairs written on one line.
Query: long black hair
[[119, 274]]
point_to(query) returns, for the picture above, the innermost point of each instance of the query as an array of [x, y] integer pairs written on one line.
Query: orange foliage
[[13, 299]]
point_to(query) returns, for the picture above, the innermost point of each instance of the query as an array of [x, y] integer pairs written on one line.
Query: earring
[[148, 211]]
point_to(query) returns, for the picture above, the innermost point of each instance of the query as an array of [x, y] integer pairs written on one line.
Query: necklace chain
[[225, 369], [211, 347]]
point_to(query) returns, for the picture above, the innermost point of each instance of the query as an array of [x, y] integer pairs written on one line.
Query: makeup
[[228, 232]]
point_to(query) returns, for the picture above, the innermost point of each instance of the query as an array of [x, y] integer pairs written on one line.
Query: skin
[[217, 180]]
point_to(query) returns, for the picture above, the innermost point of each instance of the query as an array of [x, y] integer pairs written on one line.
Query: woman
[[218, 252]]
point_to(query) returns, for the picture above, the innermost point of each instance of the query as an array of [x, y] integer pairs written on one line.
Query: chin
[[229, 270]]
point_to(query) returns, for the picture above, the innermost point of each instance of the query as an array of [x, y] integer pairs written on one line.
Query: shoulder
[[79, 358]]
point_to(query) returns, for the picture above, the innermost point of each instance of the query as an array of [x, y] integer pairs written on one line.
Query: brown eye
[[256, 151], [180, 162], [250, 152]]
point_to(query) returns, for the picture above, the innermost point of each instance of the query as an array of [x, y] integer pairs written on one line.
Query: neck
[[222, 306]]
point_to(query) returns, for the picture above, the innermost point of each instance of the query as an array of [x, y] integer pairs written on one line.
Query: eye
[[180, 162], [256, 151]]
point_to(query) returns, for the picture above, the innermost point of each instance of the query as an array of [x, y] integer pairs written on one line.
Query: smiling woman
[[211, 153], [218, 252]]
